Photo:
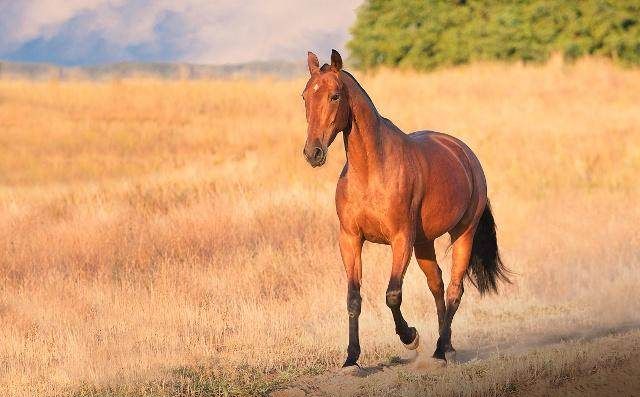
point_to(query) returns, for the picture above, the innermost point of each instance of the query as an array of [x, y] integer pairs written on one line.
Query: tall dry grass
[[150, 230]]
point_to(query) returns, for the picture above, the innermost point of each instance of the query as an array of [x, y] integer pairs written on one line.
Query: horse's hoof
[[352, 370], [450, 355], [416, 341]]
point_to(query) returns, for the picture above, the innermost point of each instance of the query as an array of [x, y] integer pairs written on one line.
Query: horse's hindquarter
[[452, 183]]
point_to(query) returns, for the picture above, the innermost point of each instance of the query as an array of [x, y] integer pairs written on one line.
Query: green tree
[[428, 34]]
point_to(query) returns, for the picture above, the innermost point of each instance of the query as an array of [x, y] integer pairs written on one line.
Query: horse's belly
[[446, 201], [434, 226]]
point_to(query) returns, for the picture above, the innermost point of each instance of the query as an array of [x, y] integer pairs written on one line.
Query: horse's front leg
[[401, 245], [350, 249]]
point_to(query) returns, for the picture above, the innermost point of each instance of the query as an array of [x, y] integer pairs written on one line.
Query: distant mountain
[[40, 71]]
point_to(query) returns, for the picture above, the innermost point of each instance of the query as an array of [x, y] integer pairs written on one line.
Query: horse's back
[[453, 182]]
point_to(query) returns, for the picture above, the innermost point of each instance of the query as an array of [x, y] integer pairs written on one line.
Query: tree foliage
[[426, 34]]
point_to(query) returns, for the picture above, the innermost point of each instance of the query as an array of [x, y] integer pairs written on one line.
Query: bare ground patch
[[596, 365]]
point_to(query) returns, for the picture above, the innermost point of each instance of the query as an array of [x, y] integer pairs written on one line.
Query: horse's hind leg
[[461, 255], [401, 246], [426, 257]]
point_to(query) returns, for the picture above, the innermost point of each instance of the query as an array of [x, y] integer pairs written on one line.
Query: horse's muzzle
[[316, 156]]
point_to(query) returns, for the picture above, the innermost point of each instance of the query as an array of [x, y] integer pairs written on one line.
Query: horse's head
[[327, 107]]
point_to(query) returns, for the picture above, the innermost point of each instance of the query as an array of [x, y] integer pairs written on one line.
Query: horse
[[402, 190]]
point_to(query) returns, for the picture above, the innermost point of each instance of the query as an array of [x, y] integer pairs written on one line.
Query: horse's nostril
[[317, 154]]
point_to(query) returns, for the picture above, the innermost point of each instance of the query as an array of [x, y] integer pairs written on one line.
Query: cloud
[[81, 32]]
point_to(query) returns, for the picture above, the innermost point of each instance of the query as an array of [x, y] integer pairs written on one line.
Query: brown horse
[[404, 190]]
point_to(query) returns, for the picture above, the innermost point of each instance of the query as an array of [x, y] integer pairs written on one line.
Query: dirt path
[[596, 363]]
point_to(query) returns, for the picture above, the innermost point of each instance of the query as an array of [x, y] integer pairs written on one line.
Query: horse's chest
[[375, 213], [373, 226]]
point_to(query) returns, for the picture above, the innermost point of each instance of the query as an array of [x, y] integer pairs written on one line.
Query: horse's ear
[[336, 60], [312, 62]]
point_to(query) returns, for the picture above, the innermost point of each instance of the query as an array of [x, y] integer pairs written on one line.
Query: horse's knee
[[354, 303], [394, 298]]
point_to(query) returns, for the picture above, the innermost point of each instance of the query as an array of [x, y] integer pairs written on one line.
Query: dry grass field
[[168, 238]]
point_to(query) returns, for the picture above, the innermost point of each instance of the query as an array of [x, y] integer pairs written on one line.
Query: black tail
[[486, 267]]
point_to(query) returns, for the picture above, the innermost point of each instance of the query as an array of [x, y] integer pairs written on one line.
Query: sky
[[90, 32]]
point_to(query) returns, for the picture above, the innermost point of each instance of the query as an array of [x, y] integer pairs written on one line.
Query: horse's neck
[[365, 139]]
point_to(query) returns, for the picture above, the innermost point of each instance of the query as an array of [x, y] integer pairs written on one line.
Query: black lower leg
[[444, 345], [394, 300], [454, 294], [354, 303]]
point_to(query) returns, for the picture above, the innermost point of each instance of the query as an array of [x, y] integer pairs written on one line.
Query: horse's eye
[[335, 97]]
